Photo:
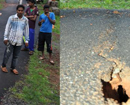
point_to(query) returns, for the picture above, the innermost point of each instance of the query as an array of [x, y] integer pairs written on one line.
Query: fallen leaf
[[91, 24], [116, 12], [112, 48], [62, 16], [73, 11]]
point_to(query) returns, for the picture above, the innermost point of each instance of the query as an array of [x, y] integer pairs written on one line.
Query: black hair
[[46, 6], [20, 6], [32, 1]]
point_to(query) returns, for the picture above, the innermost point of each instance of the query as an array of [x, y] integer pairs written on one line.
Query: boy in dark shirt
[[31, 13]]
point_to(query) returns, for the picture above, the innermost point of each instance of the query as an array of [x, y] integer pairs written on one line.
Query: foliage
[[1, 5], [36, 89], [57, 26], [105, 4]]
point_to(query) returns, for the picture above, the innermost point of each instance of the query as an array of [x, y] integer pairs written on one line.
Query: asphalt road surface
[[15, 1], [8, 79], [89, 39]]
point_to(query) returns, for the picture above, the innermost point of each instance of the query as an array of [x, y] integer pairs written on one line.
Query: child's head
[[46, 8]]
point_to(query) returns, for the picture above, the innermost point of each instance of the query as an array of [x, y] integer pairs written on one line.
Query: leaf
[[116, 12], [112, 48], [39, 61], [62, 16], [73, 11]]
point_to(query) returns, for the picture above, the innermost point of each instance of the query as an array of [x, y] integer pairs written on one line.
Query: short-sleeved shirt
[[46, 26], [32, 12]]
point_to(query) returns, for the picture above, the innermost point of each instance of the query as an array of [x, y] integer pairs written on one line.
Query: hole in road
[[118, 95]]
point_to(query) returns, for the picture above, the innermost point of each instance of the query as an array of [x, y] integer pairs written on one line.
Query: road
[[8, 79], [91, 41], [15, 1]]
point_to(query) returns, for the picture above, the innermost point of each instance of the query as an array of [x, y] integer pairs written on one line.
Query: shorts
[[44, 37]]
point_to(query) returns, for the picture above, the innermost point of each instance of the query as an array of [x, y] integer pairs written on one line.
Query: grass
[[1, 5], [104, 4], [57, 25], [36, 88]]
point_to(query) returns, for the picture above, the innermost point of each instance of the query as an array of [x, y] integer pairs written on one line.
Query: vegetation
[[36, 88], [105, 4], [57, 25], [1, 4]]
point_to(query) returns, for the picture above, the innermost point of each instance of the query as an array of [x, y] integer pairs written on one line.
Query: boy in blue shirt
[[46, 20]]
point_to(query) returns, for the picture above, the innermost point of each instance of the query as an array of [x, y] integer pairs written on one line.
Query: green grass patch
[[36, 88], [104, 4], [1, 4], [57, 25]]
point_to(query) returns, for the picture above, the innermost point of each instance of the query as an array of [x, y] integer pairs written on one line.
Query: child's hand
[[5, 42], [26, 44], [47, 14], [42, 20]]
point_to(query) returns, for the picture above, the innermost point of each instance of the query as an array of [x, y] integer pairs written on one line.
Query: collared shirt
[[15, 28]]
